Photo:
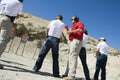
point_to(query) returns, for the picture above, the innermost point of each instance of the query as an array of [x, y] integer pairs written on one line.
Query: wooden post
[[39, 45], [13, 33]]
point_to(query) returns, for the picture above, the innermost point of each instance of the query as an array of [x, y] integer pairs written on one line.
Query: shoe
[[90, 79], [68, 78], [94, 79], [35, 70], [65, 75], [57, 76], [1, 66]]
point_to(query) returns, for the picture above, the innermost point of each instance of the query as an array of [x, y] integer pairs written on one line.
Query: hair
[[21, 1], [60, 17], [85, 31], [76, 18]]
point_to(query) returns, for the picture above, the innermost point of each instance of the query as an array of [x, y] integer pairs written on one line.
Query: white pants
[[75, 46]]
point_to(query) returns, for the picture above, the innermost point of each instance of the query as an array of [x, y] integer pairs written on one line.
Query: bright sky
[[100, 17]]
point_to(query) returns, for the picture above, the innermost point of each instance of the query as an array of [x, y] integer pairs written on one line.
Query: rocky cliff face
[[36, 29]]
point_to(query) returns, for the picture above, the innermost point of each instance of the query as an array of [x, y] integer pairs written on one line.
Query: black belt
[[12, 18], [54, 37], [58, 39]]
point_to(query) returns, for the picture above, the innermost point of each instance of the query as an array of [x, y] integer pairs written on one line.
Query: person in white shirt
[[52, 42], [101, 54], [83, 56], [9, 10]]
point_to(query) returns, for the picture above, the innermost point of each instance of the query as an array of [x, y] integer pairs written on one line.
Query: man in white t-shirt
[[52, 42], [9, 10], [101, 54]]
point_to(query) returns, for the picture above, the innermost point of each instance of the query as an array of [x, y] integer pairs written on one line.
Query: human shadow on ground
[[19, 69], [12, 62]]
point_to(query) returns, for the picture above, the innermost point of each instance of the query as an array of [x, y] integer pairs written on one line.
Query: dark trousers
[[82, 56], [51, 42], [101, 64]]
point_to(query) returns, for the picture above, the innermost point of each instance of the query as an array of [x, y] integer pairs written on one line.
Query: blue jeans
[[101, 64], [51, 42], [82, 56]]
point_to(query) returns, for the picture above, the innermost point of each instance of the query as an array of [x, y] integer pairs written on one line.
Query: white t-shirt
[[11, 7], [103, 47], [55, 28], [85, 37]]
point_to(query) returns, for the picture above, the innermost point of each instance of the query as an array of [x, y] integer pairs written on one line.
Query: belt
[[54, 37], [103, 54], [12, 18], [7, 15]]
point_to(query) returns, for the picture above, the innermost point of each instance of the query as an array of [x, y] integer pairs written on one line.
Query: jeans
[[51, 42], [101, 64], [82, 56]]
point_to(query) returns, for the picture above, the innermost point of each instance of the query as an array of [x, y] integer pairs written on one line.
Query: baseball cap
[[101, 38]]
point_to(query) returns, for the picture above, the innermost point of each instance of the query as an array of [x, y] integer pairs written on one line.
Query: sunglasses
[[72, 19]]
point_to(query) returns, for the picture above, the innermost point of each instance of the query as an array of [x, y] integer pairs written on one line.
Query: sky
[[100, 17]]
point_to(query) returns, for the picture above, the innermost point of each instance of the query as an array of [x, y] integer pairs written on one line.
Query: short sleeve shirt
[[55, 28], [103, 48], [11, 7], [79, 36]]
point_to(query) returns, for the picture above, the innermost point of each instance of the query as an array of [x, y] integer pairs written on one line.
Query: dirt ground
[[19, 59], [17, 67]]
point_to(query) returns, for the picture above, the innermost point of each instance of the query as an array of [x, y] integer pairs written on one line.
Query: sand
[[18, 63], [18, 67]]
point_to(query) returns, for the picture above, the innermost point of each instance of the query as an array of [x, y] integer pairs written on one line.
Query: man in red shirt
[[75, 37]]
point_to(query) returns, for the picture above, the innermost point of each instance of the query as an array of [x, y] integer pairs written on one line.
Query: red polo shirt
[[79, 36]]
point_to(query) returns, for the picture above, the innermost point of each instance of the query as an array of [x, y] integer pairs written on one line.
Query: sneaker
[[1, 66], [57, 76], [69, 78], [35, 70], [64, 75], [89, 79]]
